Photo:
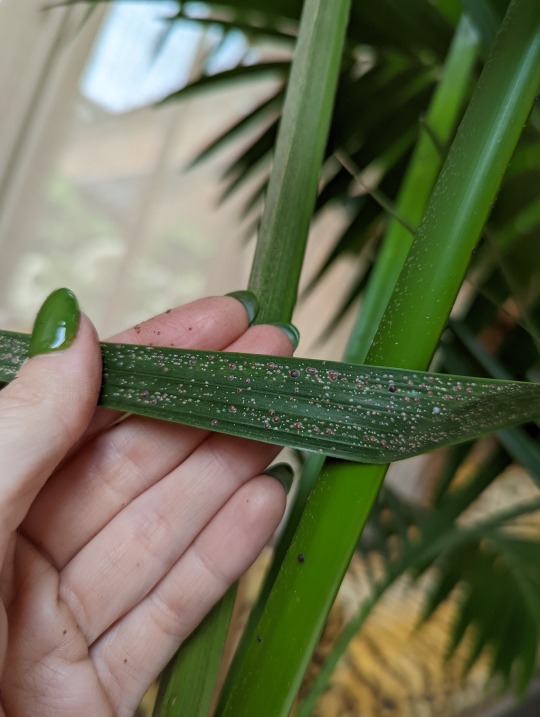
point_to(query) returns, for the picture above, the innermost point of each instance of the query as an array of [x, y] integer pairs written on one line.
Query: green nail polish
[[291, 331], [249, 301], [283, 473], [56, 324]]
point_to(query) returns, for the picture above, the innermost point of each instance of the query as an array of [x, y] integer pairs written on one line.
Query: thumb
[[48, 406]]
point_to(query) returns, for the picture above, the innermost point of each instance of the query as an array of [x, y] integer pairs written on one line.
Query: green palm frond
[[498, 581], [361, 413]]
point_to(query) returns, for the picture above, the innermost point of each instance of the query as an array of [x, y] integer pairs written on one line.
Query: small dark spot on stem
[[125, 660], [301, 557], [259, 638], [168, 311], [64, 632]]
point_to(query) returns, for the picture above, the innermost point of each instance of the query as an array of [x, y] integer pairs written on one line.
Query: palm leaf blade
[[349, 411]]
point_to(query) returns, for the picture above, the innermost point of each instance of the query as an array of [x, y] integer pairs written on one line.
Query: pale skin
[[117, 538]]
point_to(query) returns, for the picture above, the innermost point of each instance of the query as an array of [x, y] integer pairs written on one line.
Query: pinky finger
[[130, 655]]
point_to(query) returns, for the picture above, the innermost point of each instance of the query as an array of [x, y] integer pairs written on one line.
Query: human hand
[[116, 538]]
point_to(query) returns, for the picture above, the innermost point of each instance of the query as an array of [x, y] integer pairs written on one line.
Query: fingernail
[[249, 301], [283, 473], [292, 332], [56, 324]]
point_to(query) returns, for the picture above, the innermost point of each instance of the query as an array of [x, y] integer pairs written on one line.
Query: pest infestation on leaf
[[343, 410]]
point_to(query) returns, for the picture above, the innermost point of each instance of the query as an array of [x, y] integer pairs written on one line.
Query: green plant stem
[[304, 562], [292, 188], [299, 152], [424, 166], [271, 671]]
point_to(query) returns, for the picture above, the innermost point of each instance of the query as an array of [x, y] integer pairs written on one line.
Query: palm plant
[[341, 119]]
